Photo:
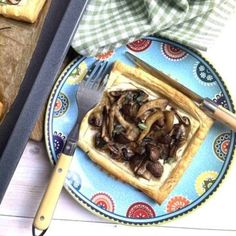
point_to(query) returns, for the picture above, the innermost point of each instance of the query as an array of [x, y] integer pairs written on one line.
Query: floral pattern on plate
[[220, 99], [58, 142], [203, 74], [221, 145], [104, 201], [176, 203], [77, 74], [139, 45], [173, 53], [140, 210], [61, 105], [204, 181], [104, 56]]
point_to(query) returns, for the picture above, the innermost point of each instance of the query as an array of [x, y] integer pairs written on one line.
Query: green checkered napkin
[[108, 24]]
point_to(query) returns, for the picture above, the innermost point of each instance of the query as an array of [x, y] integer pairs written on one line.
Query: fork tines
[[96, 74]]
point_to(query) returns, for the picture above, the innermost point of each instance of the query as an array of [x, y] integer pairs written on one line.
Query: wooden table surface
[[215, 217]]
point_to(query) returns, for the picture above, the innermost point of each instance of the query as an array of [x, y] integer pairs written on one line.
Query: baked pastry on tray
[[143, 132], [23, 10]]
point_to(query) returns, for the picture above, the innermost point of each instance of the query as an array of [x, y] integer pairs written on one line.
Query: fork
[[87, 96]]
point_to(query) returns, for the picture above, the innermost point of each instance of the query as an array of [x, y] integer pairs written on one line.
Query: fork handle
[[47, 206]]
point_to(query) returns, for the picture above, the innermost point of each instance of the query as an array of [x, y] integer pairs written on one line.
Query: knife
[[214, 110]]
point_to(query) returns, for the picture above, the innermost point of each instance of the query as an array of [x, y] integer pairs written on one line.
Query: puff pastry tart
[[143, 132], [23, 10]]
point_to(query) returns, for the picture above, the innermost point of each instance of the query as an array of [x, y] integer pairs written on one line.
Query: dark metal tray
[[60, 25]]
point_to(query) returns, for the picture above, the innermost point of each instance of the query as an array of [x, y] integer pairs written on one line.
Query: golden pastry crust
[[201, 124], [26, 10]]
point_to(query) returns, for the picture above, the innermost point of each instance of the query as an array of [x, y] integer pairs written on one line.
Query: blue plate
[[118, 201]]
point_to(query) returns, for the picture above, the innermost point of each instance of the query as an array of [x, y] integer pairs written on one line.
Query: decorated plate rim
[[148, 221]]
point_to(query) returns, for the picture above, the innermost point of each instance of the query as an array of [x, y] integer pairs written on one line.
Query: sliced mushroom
[[142, 171], [147, 175], [104, 129], [179, 137], [160, 123], [159, 103], [130, 110], [121, 138], [156, 168], [183, 120], [153, 152], [116, 93], [169, 120], [99, 142], [182, 135], [138, 166], [96, 118], [113, 111], [142, 97], [126, 109], [187, 125], [132, 132], [186, 121], [113, 148], [141, 149], [136, 162], [149, 122], [165, 153], [145, 115], [128, 153], [172, 154], [118, 129], [136, 96], [115, 151], [121, 119], [179, 132], [111, 121]]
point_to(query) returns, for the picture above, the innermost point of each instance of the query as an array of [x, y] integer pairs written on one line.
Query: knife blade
[[214, 110]]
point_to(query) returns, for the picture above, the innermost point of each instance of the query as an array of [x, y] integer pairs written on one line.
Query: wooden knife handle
[[47, 206], [226, 117], [220, 114]]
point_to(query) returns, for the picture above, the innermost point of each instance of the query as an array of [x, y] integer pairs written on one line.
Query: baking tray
[[58, 30]]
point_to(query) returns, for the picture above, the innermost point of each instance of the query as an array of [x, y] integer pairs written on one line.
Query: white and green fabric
[[107, 24]]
